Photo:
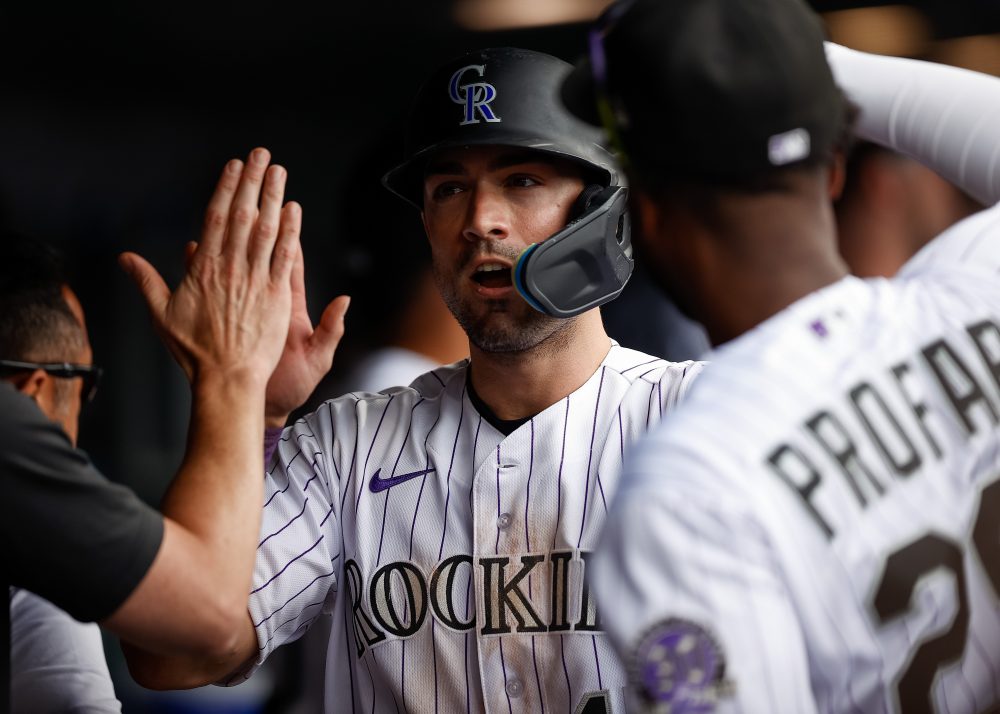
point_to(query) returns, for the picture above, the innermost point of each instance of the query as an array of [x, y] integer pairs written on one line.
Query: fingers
[[217, 214], [149, 282], [270, 216], [189, 250], [330, 329], [286, 248], [299, 281], [244, 203]]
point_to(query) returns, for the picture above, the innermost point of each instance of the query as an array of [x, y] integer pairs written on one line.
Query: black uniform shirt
[[68, 534]]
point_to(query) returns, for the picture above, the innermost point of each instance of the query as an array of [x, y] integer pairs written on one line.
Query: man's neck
[[776, 250], [522, 384]]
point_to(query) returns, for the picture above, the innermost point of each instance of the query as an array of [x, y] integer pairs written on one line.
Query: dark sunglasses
[[599, 70], [89, 373]]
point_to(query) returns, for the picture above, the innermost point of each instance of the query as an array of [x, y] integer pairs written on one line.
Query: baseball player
[[447, 527], [816, 528]]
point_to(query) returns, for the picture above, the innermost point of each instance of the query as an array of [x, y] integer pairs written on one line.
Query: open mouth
[[493, 276]]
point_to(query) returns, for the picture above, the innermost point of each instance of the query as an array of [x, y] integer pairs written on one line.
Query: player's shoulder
[[755, 385], [436, 385], [24, 426], [971, 245], [633, 366]]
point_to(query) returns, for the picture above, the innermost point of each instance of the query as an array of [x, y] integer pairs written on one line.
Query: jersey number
[[594, 703], [903, 570]]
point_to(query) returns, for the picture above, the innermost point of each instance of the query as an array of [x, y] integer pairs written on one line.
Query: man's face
[[661, 245], [482, 207]]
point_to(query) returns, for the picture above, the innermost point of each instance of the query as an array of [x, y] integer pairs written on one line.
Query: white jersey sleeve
[[972, 245], [944, 117], [295, 573], [57, 663]]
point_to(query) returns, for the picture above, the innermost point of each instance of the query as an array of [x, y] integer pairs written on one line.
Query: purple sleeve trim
[[271, 437]]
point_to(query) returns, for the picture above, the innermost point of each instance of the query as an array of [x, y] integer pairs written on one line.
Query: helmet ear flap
[[584, 200]]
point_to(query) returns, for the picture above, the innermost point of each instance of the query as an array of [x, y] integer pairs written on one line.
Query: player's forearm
[[216, 496], [946, 118], [192, 602], [163, 672]]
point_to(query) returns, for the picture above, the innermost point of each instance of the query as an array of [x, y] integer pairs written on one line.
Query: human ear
[[837, 176], [32, 384]]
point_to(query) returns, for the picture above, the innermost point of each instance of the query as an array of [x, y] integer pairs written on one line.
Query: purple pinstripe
[[333, 437], [562, 655], [590, 459], [351, 647], [288, 480], [503, 665], [291, 619], [641, 364], [597, 661], [371, 447], [451, 464], [527, 542], [475, 448], [350, 472], [538, 680], [275, 576], [496, 548], [423, 482], [285, 603], [434, 661], [468, 589], [293, 519], [621, 433], [562, 459], [388, 492]]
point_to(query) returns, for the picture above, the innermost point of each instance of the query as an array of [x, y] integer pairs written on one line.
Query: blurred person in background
[[57, 663], [891, 206]]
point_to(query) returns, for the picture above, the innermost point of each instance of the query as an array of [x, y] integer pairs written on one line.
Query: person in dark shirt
[[57, 662], [174, 583]]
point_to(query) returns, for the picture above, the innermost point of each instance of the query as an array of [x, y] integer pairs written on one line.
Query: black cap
[[713, 89], [500, 96]]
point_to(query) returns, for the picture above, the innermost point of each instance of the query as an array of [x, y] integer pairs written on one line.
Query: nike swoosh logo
[[381, 484]]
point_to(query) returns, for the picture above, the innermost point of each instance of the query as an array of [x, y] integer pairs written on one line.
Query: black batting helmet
[[511, 97], [499, 96]]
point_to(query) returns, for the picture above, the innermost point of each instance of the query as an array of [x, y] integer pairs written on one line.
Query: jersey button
[[514, 687], [503, 521]]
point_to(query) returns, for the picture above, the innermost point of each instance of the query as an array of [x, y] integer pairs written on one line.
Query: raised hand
[[308, 351], [230, 313]]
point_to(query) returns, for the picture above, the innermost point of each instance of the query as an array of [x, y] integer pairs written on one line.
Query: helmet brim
[[407, 179]]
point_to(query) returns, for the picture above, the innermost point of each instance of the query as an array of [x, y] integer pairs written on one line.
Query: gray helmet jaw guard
[[584, 265], [511, 97]]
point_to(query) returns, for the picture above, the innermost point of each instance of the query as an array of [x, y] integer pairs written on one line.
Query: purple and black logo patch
[[679, 668]]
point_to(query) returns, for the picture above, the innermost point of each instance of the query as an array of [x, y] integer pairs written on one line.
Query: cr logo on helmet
[[474, 95]]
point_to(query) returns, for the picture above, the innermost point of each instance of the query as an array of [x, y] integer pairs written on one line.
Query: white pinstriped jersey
[[818, 527], [451, 557]]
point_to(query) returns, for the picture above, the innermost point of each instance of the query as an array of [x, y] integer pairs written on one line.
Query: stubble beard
[[500, 326]]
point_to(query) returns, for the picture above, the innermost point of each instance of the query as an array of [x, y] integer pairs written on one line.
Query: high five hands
[[240, 309]]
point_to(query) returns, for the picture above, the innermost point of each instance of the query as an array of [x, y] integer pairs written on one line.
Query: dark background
[[115, 121], [114, 126], [116, 118]]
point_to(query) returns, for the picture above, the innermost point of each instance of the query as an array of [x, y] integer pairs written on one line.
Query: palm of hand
[[307, 356]]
